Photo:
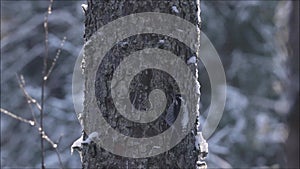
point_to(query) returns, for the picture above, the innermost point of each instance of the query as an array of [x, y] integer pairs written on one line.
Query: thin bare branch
[[54, 145], [30, 100], [44, 79], [55, 58], [31, 122], [49, 140], [59, 158]]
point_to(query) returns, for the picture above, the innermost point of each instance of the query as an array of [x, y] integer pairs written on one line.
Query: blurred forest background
[[251, 37]]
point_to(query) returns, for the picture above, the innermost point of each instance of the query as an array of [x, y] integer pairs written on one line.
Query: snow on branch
[[32, 123]]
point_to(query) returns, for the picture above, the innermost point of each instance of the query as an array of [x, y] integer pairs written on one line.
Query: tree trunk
[[102, 12], [292, 144]]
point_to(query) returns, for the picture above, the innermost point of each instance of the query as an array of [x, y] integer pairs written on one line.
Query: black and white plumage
[[173, 110]]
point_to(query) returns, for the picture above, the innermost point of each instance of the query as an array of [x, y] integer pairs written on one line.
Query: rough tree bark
[[101, 12]]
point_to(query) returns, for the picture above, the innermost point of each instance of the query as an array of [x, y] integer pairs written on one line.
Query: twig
[[59, 158], [57, 153], [30, 100], [55, 148], [33, 102], [36, 124], [55, 58], [44, 82], [31, 122]]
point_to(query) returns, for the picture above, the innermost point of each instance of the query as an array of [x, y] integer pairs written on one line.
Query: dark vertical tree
[[292, 144], [101, 12]]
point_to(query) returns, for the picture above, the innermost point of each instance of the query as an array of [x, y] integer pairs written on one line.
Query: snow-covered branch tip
[[36, 125], [84, 7], [175, 9], [55, 58], [77, 145], [29, 98], [192, 60], [31, 122]]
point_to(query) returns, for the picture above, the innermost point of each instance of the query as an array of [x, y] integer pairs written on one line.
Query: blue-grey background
[[254, 127]]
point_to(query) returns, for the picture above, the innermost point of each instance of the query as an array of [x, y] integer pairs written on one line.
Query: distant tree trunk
[[292, 144], [287, 22], [101, 12]]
